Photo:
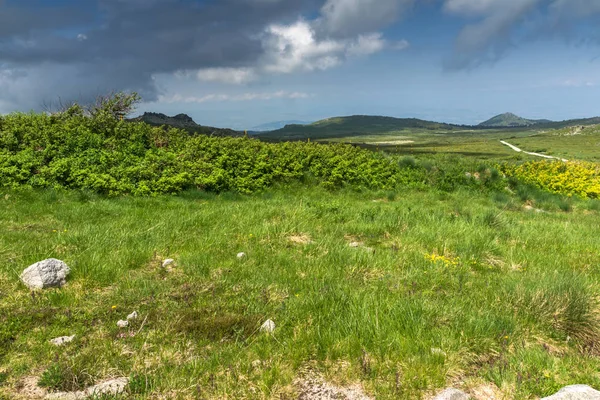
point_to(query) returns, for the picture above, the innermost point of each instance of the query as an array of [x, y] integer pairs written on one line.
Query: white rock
[[167, 262], [575, 392], [45, 274], [112, 387], [241, 255], [133, 315], [355, 244], [122, 324], [268, 326], [452, 394], [61, 341]]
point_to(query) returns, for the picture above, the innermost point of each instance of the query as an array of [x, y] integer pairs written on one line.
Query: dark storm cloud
[[120, 44]]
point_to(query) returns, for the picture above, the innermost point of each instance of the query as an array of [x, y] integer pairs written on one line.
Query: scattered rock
[[316, 389], [167, 262], [123, 324], [268, 326], [61, 341], [112, 387], [575, 392], [133, 315], [452, 394], [45, 274], [241, 255]]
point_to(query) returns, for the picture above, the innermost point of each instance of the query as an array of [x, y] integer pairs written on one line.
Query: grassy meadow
[[403, 271], [462, 288]]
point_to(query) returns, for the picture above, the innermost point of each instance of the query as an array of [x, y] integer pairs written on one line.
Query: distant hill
[[569, 122], [271, 126], [352, 126], [510, 120], [183, 121]]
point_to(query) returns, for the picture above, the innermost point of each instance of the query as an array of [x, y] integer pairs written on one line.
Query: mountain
[[352, 126], [183, 121], [271, 126], [508, 120]]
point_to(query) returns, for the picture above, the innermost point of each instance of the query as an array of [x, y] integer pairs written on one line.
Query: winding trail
[[518, 150]]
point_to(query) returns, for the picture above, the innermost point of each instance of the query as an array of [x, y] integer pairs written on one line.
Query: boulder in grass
[[452, 394], [575, 392], [46, 274], [268, 326], [61, 341]]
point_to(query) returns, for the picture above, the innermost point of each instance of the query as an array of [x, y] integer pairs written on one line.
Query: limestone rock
[[575, 392], [112, 387], [268, 326], [46, 274], [61, 341], [133, 315], [241, 255], [167, 262], [123, 324], [452, 394]]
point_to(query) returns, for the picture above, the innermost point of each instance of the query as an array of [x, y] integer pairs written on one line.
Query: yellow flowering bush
[[573, 178]]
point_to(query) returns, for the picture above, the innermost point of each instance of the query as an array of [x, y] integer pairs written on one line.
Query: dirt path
[[518, 150]]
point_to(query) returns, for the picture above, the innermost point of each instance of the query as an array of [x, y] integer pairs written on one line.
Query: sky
[[242, 63]]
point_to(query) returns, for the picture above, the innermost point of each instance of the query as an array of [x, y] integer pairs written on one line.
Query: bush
[[91, 150], [568, 178]]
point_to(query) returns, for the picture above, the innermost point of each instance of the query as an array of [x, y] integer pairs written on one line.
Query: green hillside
[[353, 126], [508, 120]]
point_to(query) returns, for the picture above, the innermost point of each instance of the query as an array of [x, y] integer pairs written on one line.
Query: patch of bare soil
[[315, 388]]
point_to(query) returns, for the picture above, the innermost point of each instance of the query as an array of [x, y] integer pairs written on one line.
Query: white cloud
[[366, 44], [296, 47], [227, 75], [177, 98], [578, 83], [291, 48]]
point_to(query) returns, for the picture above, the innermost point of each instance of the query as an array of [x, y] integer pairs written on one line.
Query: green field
[[459, 288], [485, 144]]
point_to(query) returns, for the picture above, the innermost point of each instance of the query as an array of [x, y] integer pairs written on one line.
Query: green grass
[[509, 299]]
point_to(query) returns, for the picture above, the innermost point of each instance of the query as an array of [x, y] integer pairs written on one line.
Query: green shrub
[[91, 150]]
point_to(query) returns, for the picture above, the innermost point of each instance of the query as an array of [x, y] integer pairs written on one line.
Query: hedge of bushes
[[76, 150]]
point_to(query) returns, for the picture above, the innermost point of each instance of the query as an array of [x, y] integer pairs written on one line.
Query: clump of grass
[[141, 384], [567, 304], [65, 377], [494, 219]]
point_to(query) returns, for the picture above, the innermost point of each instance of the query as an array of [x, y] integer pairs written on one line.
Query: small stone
[[167, 262], [575, 392], [133, 315], [111, 388], [122, 324], [354, 244], [268, 326], [241, 255], [61, 341], [45, 274], [452, 394]]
